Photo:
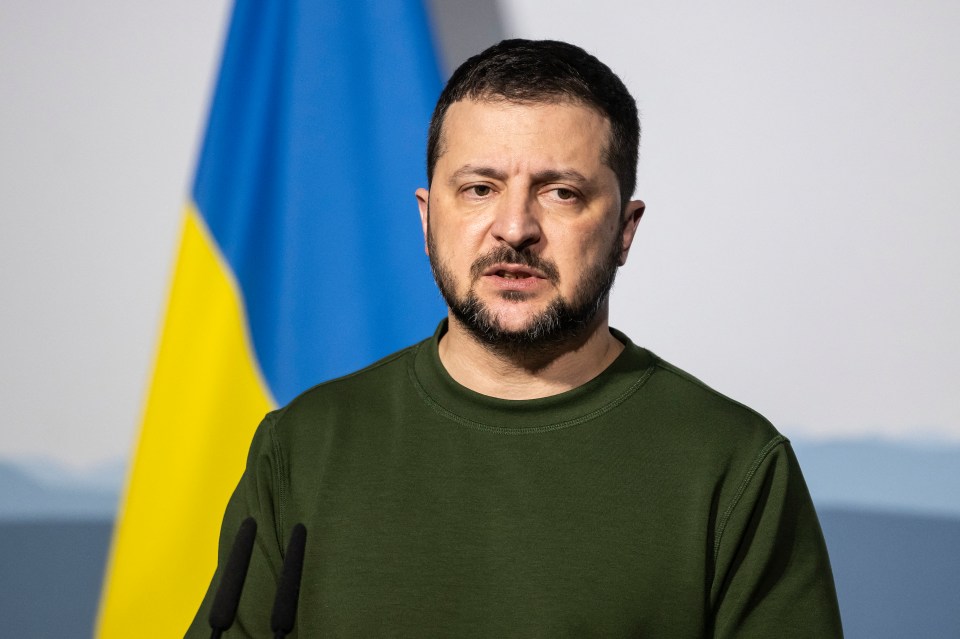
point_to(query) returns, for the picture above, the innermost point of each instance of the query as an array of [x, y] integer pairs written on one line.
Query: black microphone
[[288, 588], [224, 608]]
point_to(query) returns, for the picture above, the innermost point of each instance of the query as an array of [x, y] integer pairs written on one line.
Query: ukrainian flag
[[301, 259]]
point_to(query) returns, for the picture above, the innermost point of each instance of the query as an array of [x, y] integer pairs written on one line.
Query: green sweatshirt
[[641, 504]]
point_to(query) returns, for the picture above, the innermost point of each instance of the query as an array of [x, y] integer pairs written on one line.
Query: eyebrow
[[560, 175], [548, 175], [472, 169]]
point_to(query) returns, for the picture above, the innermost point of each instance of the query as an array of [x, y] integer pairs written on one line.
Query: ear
[[423, 203], [632, 214]]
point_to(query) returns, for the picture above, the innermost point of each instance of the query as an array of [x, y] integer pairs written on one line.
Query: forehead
[[502, 131]]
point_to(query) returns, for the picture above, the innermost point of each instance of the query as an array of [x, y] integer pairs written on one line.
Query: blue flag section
[[315, 145]]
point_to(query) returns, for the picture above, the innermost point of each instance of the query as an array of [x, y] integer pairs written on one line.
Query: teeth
[[511, 276]]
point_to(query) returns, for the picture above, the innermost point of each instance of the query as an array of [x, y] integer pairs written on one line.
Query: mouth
[[514, 272], [512, 276]]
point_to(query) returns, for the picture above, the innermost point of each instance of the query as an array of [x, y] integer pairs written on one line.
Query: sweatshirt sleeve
[[772, 573], [257, 495]]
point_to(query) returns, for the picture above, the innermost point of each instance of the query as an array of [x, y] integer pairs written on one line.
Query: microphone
[[224, 608], [288, 588]]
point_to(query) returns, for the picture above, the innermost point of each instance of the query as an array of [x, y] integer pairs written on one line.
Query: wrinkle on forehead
[[497, 99]]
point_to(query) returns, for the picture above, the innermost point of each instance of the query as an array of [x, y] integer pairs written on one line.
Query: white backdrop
[[102, 112], [797, 161]]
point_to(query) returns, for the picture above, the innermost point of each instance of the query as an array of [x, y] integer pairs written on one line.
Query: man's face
[[524, 230]]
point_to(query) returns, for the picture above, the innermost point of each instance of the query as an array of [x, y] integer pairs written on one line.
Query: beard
[[561, 323]]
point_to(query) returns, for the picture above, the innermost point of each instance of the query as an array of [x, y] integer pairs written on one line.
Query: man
[[528, 471]]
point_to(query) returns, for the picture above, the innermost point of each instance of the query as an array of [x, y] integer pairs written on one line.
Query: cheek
[[579, 244], [474, 227], [465, 240], [454, 244], [583, 250]]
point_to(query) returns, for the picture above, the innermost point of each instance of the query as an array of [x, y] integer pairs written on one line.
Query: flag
[[301, 259]]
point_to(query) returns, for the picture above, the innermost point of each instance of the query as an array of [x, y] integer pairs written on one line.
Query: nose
[[517, 222]]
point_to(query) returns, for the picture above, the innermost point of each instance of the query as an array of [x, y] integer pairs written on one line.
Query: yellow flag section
[[206, 398]]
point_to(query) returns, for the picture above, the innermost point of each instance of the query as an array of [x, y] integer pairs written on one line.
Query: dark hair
[[546, 71]]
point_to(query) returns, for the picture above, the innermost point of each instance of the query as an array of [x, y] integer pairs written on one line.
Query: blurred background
[[798, 253]]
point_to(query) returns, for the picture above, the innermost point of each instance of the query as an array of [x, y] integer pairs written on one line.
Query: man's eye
[[481, 190], [563, 195]]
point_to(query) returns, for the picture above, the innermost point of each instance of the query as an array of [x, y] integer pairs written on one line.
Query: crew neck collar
[[623, 377]]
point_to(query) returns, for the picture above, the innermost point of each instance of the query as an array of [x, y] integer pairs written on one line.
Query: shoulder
[[369, 389], [673, 391], [698, 397], [703, 425], [717, 441], [294, 442]]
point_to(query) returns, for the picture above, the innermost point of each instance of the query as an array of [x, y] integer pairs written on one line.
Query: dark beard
[[560, 325]]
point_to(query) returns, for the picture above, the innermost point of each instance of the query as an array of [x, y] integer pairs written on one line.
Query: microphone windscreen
[[288, 589], [224, 608]]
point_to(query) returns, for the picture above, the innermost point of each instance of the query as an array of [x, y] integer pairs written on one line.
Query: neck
[[528, 374]]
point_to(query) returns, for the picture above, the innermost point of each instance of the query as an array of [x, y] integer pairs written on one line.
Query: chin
[[508, 317]]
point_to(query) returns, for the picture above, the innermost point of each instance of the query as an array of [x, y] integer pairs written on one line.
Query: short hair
[[546, 71]]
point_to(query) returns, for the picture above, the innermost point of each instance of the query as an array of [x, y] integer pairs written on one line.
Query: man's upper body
[[639, 504], [528, 471]]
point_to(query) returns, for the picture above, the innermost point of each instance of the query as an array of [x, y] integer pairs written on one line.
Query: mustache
[[505, 254]]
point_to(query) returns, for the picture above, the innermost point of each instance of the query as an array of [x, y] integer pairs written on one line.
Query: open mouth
[[510, 275], [514, 272]]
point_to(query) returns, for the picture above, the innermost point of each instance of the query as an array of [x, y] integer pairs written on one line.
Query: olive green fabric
[[641, 504]]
